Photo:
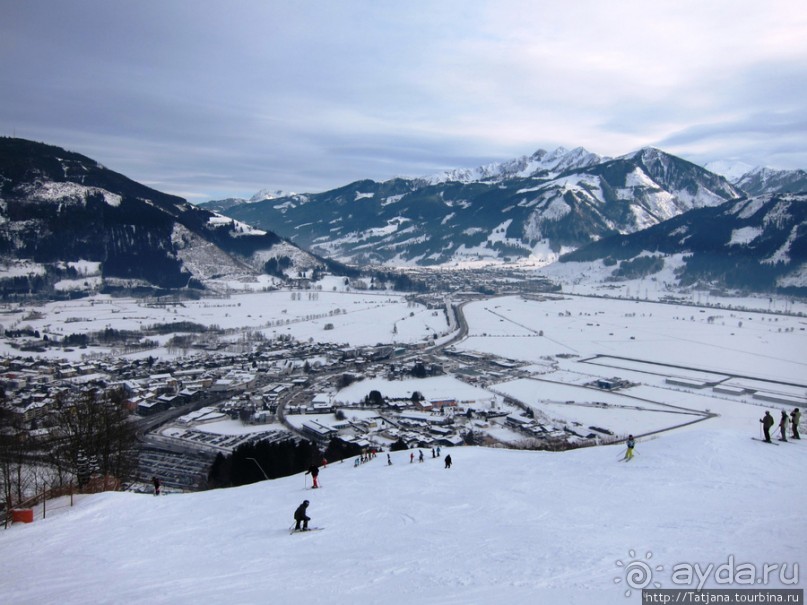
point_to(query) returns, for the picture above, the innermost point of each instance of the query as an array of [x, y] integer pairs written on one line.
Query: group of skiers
[[365, 456], [421, 457], [301, 517], [793, 420]]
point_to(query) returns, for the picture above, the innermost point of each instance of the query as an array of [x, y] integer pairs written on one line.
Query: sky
[[209, 100]]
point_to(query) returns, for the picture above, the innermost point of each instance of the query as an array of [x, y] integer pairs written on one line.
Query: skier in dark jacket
[[156, 483], [313, 470], [448, 461], [300, 516], [795, 418], [767, 423]]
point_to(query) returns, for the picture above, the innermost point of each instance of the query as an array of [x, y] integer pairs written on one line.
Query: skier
[[313, 470], [767, 423], [389, 460], [448, 461], [783, 426], [300, 516], [438, 451], [629, 452], [420, 458], [795, 418], [156, 483], [411, 457]]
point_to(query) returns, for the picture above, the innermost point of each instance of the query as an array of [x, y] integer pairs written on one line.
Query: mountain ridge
[[59, 208], [735, 172], [752, 244], [534, 206]]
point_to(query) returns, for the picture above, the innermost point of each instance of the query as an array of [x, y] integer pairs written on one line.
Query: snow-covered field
[[575, 340], [714, 340], [356, 318]]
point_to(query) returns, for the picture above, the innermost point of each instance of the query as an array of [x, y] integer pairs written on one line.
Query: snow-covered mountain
[[767, 180], [760, 180], [540, 164], [66, 222], [536, 206], [260, 196], [749, 244]]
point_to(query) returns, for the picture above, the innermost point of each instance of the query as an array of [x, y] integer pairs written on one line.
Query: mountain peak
[[269, 194], [563, 159], [540, 163], [761, 180], [646, 154], [730, 169]]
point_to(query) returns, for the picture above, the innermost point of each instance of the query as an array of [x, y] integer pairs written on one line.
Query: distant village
[[281, 389]]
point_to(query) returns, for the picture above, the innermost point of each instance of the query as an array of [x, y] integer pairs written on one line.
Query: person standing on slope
[[783, 426], [767, 423], [795, 418], [313, 470], [156, 483], [301, 516], [448, 461], [629, 452]]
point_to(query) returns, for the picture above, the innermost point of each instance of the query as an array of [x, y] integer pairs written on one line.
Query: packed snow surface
[[499, 526]]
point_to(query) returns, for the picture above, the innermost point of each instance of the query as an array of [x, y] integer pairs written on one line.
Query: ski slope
[[500, 526]]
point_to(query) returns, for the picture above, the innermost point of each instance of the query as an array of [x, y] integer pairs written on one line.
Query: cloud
[[215, 100]]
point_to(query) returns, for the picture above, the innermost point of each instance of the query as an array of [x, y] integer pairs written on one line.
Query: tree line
[[253, 462], [90, 435]]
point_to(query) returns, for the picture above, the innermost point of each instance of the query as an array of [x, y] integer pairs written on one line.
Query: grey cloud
[[212, 100]]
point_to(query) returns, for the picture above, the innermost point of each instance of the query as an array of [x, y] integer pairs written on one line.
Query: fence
[[49, 498]]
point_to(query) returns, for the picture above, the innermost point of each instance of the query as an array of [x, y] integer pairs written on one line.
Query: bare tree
[[13, 455], [96, 436]]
